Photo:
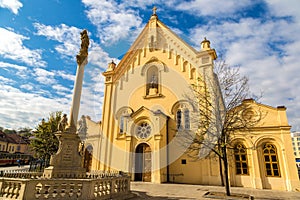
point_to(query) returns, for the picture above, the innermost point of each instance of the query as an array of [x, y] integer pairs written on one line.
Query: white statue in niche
[[153, 83]]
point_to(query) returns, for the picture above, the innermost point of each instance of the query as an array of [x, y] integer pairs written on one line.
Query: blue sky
[[40, 39]]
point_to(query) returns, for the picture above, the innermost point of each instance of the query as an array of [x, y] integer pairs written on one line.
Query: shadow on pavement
[[143, 195]]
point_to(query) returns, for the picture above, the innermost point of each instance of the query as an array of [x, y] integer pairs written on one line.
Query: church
[[146, 107]]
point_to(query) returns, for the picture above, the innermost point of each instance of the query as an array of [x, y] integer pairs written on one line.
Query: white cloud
[[62, 91], [113, 21], [284, 8], [91, 103], [67, 35], [142, 4], [19, 109], [13, 5], [60, 88], [211, 7], [12, 47], [70, 39], [13, 66], [27, 86], [64, 75], [44, 77], [5, 80], [99, 57], [18, 70]]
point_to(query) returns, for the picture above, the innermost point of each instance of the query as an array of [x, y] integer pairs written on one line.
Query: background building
[[14, 149], [13, 143], [296, 147]]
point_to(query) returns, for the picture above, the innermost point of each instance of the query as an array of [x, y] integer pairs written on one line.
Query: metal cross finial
[[154, 10]]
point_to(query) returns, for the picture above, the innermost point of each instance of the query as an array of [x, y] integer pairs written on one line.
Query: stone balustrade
[[94, 186], [28, 174], [20, 174]]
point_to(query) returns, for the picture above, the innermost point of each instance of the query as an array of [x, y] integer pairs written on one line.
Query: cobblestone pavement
[[194, 192]]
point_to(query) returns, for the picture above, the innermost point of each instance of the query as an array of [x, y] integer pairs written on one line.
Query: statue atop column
[[83, 53]]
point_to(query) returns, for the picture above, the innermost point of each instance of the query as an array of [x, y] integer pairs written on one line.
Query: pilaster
[[106, 114]]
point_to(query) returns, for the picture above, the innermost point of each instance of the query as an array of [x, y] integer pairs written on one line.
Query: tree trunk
[[226, 171], [221, 170]]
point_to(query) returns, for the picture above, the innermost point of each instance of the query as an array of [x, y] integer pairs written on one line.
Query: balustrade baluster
[[63, 190], [16, 190], [11, 189], [6, 190]]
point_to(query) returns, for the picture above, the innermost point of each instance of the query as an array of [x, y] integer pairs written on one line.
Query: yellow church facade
[[146, 106]]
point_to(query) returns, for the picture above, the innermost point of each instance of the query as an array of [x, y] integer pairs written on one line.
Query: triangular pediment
[[156, 36], [143, 111]]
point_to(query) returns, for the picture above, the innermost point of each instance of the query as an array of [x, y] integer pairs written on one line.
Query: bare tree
[[220, 114]]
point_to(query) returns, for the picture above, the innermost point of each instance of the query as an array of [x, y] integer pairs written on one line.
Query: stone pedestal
[[67, 162]]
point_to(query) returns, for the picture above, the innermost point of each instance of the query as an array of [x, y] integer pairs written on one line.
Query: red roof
[[12, 138]]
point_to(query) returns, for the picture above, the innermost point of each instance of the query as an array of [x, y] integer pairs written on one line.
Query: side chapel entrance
[[143, 163]]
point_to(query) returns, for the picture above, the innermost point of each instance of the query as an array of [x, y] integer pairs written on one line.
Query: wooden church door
[[143, 163]]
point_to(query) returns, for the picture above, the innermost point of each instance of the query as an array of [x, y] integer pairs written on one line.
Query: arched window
[[178, 120], [240, 155], [271, 160], [182, 111], [183, 119], [186, 119], [122, 116]]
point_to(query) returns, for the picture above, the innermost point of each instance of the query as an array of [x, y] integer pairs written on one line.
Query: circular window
[[143, 130]]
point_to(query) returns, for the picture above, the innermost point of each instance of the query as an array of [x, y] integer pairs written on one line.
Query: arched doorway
[[88, 157], [143, 163]]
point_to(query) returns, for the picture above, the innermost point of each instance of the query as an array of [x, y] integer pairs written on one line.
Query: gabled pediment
[[143, 111], [267, 116], [157, 37]]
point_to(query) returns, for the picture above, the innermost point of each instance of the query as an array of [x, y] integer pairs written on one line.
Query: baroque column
[[81, 59]]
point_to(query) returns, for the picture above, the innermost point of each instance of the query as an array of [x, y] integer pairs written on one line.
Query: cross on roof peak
[[154, 10]]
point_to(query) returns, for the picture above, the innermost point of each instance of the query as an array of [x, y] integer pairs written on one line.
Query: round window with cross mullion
[[143, 130]]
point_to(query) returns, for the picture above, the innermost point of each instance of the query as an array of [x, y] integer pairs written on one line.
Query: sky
[[40, 39]]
